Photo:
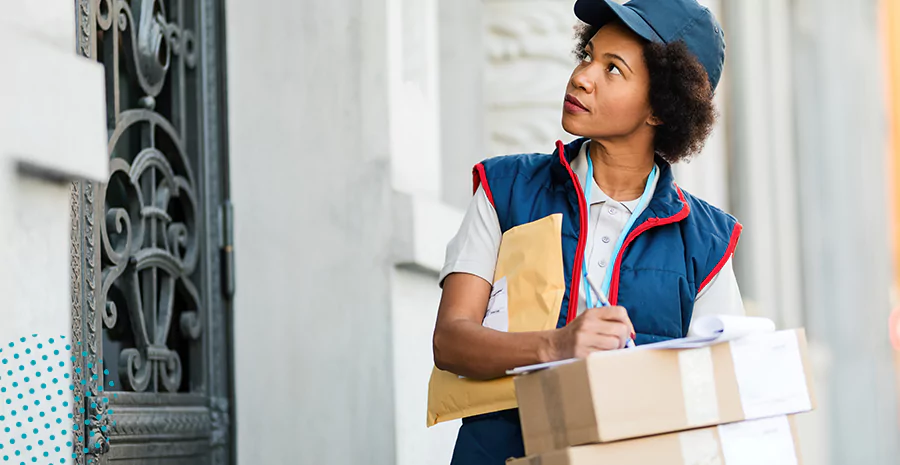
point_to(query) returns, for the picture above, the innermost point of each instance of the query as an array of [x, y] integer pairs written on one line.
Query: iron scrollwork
[[149, 233], [138, 254], [150, 251]]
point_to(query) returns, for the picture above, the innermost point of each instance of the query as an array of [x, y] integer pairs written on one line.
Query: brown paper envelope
[[530, 263]]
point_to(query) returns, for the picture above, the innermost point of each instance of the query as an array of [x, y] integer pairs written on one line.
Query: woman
[[641, 98]]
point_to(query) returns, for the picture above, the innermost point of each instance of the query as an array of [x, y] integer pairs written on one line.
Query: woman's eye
[[613, 69], [586, 58]]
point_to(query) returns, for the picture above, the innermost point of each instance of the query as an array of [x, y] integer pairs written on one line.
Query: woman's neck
[[621, 171]]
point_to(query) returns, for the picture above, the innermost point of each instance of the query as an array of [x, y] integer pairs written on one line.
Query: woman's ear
[[654, 121]]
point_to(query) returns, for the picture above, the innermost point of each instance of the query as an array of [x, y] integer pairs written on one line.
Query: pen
[[604, 302]]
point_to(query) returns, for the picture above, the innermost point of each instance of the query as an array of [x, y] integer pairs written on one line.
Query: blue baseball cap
[[665, 21]]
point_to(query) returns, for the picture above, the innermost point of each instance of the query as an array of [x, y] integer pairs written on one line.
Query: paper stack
[[720, 396]]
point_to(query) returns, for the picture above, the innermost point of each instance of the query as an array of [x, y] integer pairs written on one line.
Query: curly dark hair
[[680, 96]]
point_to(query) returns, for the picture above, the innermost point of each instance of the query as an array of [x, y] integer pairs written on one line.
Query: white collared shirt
[[476, 245]]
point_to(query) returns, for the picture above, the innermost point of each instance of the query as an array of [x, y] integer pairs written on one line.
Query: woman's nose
[[582, 79]]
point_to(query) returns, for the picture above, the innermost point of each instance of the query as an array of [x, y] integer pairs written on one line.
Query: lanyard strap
[[591, 300]]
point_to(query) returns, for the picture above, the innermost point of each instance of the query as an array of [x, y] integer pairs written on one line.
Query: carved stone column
[[527, 45]]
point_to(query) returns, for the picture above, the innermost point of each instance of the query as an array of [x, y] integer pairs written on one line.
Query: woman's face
[[608, 93]]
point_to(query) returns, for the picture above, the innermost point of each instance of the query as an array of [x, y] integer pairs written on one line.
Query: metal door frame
[[160, 427]]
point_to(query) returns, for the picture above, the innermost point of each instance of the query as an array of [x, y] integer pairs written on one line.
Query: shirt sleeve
[[475, 247], [720, 297]]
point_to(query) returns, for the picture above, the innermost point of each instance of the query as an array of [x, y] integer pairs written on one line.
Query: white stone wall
[[336, 175], [423, 222], [310, 182], [52, 131], [415, 300], [463, 132]]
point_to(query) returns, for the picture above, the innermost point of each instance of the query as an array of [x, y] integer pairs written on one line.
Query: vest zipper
[[575, 290]]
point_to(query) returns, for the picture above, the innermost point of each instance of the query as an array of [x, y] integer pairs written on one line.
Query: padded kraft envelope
[[529, 286]]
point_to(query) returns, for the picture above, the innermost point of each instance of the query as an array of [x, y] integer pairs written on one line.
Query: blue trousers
[[489, 439]]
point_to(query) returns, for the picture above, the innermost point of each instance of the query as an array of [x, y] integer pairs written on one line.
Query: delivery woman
[[548, 236]]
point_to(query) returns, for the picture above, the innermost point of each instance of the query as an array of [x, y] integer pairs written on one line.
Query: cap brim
[[598, 13]]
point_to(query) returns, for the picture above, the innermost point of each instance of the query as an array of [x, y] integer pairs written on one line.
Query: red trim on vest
[[575, 291], [479, 178], [650, 223], [735, 236]]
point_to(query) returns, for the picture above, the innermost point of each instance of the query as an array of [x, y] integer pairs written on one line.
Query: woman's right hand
[[605, 328]]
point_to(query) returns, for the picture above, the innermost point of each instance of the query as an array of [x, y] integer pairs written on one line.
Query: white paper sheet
[[730, 327], [770, 375], [539, 366], [497, 315], [758, 442], [713, 329]]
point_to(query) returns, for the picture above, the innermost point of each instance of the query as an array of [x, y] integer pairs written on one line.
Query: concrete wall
[[463, 134], [311, 188], [416, 297], [435, 81]]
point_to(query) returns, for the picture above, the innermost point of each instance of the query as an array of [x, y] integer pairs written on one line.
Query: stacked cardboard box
[[718, 404]]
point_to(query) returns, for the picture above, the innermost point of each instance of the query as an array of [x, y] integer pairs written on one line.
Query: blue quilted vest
[[673, 250]]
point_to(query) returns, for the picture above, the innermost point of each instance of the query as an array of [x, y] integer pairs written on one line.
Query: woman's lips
[[573, 105]]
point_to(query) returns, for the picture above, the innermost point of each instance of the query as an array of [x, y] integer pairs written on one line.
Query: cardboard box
[[631, 393], [770, 441]]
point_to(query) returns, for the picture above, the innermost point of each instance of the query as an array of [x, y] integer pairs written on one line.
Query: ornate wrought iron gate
[[150, 247]]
